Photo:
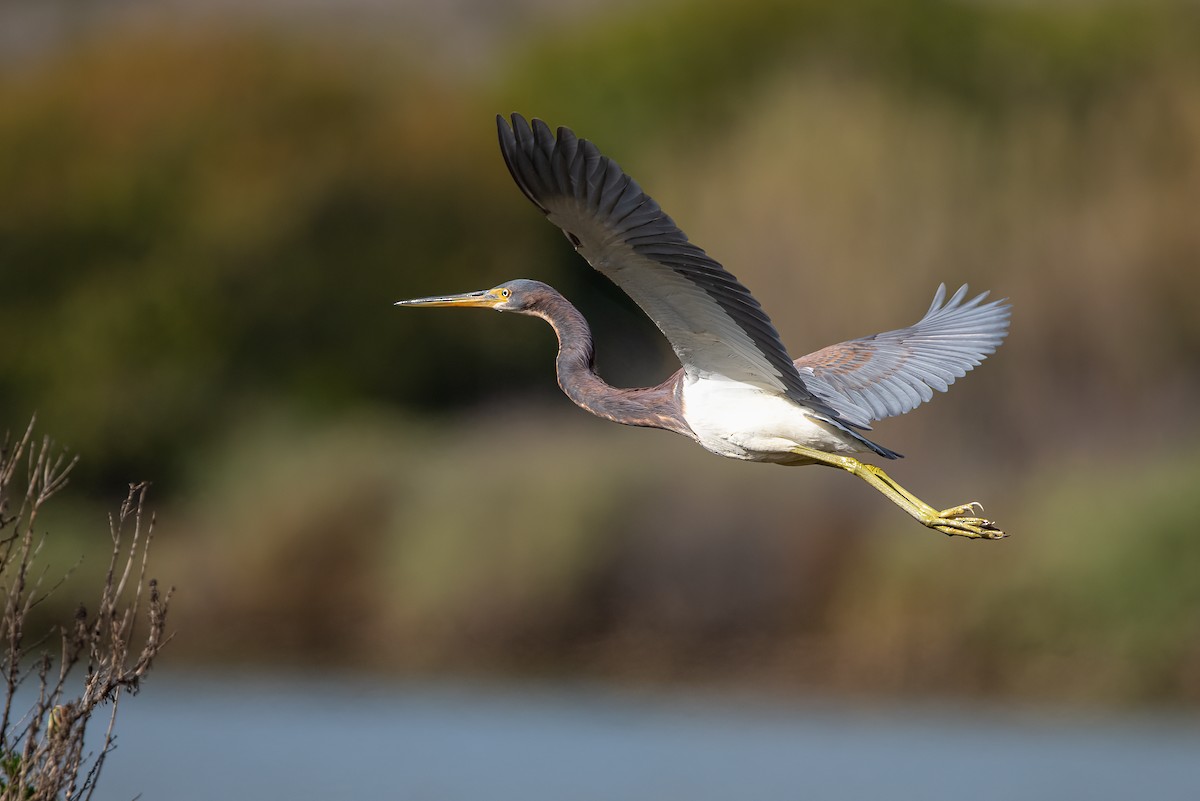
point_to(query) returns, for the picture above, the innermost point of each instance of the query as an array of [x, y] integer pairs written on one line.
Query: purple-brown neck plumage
[[651, 407]]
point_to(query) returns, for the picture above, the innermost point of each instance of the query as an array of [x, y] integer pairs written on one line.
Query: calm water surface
[[203, 738]]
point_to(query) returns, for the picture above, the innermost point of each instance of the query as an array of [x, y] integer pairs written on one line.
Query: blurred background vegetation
[[207, 210]]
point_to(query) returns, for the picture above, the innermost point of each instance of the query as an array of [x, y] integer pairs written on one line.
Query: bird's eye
[[504, 293]]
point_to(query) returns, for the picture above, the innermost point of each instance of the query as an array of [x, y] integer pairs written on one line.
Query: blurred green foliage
[[687, 64], [197, 224], [201, 235], [795, 578], [1098, 603], [190, 231]]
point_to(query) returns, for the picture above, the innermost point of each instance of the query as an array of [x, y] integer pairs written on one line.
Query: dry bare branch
[[43, 753]]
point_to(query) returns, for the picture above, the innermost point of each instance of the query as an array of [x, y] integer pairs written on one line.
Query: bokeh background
[[207, 209]]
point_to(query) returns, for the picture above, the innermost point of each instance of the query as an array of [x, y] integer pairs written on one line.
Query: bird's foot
[[957, 521], [961, 521]]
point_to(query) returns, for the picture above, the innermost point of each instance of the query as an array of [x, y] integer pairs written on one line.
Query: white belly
[[742, 421]]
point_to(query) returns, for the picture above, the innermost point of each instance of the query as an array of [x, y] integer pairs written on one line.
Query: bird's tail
[[886, 453]]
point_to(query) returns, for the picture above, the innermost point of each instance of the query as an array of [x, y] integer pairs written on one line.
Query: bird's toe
[[960, 521]]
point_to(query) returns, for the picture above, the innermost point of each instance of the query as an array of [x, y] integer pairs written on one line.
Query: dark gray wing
[[715, 326], [894, 372]]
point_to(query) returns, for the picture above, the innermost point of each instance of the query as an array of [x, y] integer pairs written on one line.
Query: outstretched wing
[[715, 326], [894, 372]]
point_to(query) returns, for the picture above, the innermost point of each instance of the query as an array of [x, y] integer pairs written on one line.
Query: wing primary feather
[[510, 147], [597, 169], [562, 166]]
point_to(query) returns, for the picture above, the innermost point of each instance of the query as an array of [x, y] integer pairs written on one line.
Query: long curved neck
[[652, 407]]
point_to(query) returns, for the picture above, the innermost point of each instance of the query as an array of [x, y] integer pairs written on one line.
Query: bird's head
[[521, 295]]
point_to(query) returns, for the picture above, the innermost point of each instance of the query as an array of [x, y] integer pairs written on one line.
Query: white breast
[[741, 421]]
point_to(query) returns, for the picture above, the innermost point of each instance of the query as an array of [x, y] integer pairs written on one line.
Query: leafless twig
[[43, 754]]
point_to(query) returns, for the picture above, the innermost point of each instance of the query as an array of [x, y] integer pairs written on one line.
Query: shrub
[[44, 749]]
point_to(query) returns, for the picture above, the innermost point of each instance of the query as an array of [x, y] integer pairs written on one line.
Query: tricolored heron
[[739, 393]]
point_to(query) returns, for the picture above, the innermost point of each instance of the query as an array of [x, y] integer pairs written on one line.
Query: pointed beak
[[484, 298]]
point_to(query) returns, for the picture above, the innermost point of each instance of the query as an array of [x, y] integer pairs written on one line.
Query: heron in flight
[[739, 394]]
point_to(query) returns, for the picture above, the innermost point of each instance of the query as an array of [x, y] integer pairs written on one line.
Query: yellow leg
[[958, 521]]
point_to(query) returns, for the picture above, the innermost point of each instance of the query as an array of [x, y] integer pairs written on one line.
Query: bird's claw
[[960, 521], [968, 509]]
